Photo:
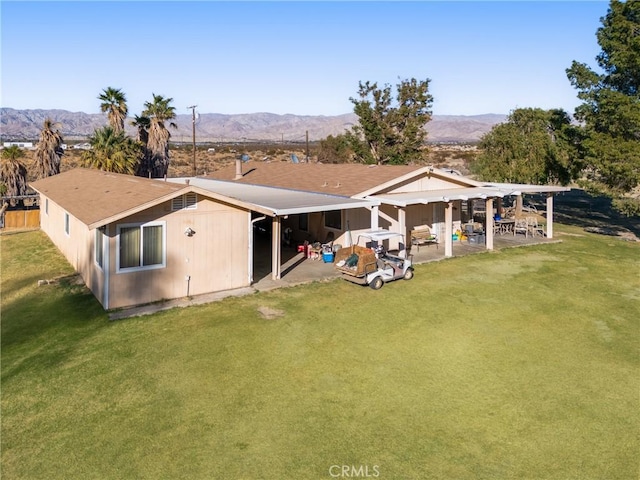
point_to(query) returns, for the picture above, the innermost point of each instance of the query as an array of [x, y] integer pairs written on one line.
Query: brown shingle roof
[[338, 179], [94, 195]]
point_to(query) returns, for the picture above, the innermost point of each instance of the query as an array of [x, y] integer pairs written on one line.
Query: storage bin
[[327, 257], [477, 238]]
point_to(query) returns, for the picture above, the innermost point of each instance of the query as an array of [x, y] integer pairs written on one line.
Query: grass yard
[[518, 364]]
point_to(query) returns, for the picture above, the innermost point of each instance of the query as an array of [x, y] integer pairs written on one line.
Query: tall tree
[[112, 151], [159, 111], [533, 146], [143, 124], [49, 150], [391, 128], [114, 104], [611, 109], [13, 173]]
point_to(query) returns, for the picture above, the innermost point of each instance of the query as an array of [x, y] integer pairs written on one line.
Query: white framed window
[[99, 247], [67, 224], [188, 201], [333, 219], [141, 246]]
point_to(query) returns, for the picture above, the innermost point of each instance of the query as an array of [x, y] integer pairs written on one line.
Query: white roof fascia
[[345, 205], [518, 188], [436, 196]]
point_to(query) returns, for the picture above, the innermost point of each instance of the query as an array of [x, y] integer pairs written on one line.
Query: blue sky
[[304, 58]]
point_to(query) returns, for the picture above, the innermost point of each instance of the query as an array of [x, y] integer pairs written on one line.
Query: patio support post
[[488, 228], [402, 226], [275, 249], [549, 215], [448, 229], [375, 217]]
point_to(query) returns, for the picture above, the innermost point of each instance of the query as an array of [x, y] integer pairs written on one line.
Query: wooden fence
[[21, 219]]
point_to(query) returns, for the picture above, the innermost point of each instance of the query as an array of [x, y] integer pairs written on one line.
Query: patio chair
[[533, 227], [422, 235], [328, 242], [521, 226]]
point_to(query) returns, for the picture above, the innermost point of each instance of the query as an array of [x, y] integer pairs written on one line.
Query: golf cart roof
[[379, 235]]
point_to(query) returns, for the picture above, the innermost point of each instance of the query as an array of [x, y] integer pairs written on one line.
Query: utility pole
[[193, 124], [307, 133]]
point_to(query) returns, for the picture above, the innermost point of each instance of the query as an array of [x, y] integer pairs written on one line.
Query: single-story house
[[136, 240]]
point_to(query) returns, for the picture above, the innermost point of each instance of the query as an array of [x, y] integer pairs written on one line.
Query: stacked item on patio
[[355, 260]]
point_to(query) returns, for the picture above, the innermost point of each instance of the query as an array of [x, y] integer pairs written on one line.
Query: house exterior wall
[[75, 246], [215, 258], [354, 219]]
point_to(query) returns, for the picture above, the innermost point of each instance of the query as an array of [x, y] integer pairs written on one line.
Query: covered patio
[[451, 199], [284, 264], [296, 269]]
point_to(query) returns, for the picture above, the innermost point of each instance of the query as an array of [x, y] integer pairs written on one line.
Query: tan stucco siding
[[76, 245], [419, 215], [214, 258]]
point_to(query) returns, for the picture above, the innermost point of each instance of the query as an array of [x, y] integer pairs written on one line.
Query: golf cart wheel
[[408, 275], [376, 283]]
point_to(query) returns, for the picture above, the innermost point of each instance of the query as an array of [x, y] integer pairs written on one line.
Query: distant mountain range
[[215, 127]]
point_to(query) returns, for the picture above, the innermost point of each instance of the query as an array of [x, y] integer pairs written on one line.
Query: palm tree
[[114, 104], [143, 124], [49, 150], [112, 151], [159, 111], [13, 173]]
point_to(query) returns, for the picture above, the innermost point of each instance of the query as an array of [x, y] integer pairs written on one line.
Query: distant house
[[82, 146], [23, 145], [136, 240]]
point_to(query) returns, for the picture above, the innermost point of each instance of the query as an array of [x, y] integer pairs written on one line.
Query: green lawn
[[518, 364]]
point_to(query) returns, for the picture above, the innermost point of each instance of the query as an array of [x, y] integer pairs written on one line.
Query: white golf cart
[[369, 263]]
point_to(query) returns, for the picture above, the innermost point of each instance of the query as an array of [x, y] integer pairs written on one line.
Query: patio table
[[505, 226]]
